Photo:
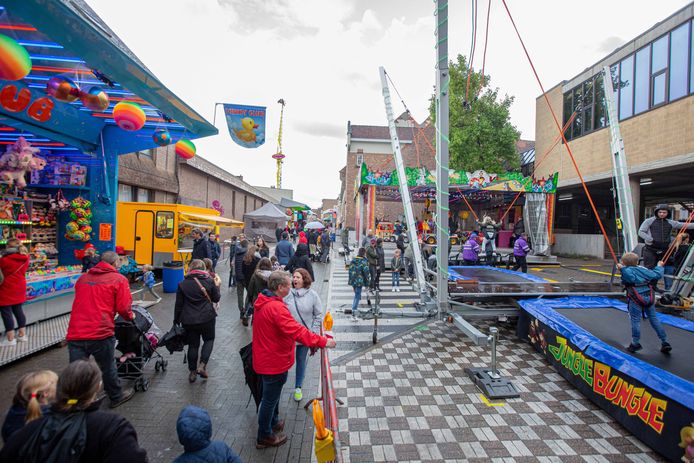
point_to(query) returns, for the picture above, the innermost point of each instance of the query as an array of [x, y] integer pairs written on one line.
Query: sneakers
[[298, 395], [633, 348], [127, 395], [397, 289], [24, 338], [274, 440], [7, 343], [392, 289], [665, 348]]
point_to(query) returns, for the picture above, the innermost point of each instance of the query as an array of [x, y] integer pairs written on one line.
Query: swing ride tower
[[279, 155]]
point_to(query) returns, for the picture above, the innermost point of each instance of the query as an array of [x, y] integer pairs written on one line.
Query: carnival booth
[[72, 98], [264, 221], [504, 197]]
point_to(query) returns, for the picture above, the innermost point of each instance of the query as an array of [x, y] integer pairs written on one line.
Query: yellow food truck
[[154, 233]]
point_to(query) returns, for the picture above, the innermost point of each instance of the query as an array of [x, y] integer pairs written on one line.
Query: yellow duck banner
[[246, 124]]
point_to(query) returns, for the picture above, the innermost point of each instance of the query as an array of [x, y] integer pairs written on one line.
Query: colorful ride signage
[[15, 100]]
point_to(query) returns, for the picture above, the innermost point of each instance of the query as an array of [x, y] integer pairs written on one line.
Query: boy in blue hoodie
[[639, 282], [194, 429]]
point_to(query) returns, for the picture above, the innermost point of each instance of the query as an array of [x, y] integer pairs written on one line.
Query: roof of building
[[377, 132], [524, 145], [203, 165]]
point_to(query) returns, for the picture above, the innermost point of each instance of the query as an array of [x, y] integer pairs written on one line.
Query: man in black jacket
[[201, 246], [241, 250]]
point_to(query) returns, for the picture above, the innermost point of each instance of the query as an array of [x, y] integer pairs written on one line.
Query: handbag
[[215, 305]]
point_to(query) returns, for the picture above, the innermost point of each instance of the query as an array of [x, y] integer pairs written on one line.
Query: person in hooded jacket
[[241, 250], [194, 310], [302, 238], [194, 428], [656, 232], [13, 291], [300, 259], [306, 307], [256, 285], [75, 429], [275, 334], [284, 250]]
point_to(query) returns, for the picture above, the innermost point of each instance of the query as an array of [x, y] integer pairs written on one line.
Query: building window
[[165, 224], [144, 195], [125, 192], [626, 87], [599, 117], [659, 59], [642, 78], [679, 55]]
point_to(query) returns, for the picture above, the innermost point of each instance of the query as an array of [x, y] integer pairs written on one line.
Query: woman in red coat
[[13, 291]]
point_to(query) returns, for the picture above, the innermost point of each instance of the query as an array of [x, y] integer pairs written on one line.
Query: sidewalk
[[410, 400]]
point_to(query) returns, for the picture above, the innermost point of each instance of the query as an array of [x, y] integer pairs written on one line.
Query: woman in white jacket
[[306, 308]]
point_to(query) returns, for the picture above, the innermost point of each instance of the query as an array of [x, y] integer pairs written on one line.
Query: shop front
[[72, 99]]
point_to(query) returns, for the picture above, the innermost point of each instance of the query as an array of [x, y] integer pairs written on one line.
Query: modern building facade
[[653, 75]]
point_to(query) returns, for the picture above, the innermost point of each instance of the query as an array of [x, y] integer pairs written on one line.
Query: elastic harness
[[634, 296]]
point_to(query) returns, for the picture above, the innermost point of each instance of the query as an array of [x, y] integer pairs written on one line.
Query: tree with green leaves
[[481, 134]]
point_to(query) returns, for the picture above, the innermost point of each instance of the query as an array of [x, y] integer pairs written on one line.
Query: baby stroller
[[137, 341]]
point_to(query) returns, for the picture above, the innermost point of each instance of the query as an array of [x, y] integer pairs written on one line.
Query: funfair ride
[[279, 156]]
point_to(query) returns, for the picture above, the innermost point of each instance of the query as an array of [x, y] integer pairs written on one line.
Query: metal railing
[[329, 400]]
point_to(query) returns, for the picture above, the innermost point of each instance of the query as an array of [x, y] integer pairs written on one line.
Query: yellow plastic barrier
[[324, 441]]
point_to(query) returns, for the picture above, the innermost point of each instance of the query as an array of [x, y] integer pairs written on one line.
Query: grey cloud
[[272, 15], [610, 43], [321, 129]]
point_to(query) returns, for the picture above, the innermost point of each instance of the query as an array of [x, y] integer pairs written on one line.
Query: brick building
[[655, 72], [370, 144]]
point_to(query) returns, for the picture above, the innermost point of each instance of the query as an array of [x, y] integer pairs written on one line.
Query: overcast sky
[[322, 57]]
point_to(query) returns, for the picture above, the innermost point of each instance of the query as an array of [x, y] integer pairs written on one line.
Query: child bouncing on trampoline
[[639, 282]]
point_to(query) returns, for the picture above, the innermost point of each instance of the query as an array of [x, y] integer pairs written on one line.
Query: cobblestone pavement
[[409, 399]]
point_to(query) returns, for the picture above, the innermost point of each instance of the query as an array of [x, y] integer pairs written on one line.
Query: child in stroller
[[137, 341]]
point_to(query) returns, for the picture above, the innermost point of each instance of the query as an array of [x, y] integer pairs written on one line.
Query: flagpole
[[214, 114]]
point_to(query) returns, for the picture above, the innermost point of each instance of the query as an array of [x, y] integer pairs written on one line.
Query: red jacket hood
[[101, 268], [266, 297], [16, 258]]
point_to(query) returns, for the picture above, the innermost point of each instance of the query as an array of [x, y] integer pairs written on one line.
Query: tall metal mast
[[404, 190], [442, 156], [279, 156], [619, 166]]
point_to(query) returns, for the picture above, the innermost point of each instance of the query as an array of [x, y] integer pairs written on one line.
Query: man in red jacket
[[275, 334], [99, 295]]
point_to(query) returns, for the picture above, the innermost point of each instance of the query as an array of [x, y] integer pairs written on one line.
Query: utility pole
[[442, 156], [619, 166], [404, 189]]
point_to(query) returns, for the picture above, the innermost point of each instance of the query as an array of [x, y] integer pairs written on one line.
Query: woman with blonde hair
[[35, 392]]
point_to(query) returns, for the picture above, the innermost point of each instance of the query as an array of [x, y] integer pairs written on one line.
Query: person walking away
[[520, 252], [284, 250], [201, 245], [194, 429], [215, 250], [263, 248], [232, 255], [194, 310], [395, 267], [300, 259], [656, 232], [381, 258], [325, 242], [344, 236], [148, 282], [359, 277], [372, 259], [13, 291], [35, 393], [100, 294], [215, 276], [305, 306], [471, 250], [278, 233], [639, 284], [76, 430], [275, 334], [302, 238], [257, 284], [90, 258], [241, 250]]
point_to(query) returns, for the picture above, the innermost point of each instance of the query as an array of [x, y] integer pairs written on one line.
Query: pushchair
[[137, 341]]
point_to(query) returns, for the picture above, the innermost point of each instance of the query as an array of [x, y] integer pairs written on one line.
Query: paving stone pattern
[[409, 400]]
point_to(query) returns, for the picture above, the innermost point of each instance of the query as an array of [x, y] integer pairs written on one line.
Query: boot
[[274, 440], [192, 376], [202, 370]]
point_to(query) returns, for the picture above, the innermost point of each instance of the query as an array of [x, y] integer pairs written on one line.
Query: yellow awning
[[207, 219]]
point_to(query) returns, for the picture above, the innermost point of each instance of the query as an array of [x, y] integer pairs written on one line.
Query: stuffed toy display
[[19, 159]]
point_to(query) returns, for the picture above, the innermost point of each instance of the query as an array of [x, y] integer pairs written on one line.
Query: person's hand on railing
[[331, 343]]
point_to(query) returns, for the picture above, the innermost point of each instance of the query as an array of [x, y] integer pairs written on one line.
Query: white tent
[[264, 221]]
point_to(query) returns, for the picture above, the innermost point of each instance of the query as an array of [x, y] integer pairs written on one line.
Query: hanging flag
[[246, 124]]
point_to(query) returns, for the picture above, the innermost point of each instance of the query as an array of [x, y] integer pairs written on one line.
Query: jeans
[[355, 302], [301, 360], [214, 263], [669, 270], [269, 410], [325, 253], [373, 271], [240, 299], [409, 269], [103, 351], [635, 316], [395, 278], [151, 291], [193, 335], [7, 312]]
